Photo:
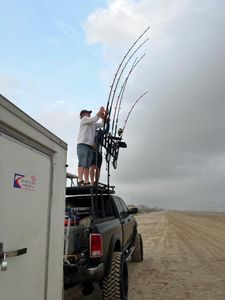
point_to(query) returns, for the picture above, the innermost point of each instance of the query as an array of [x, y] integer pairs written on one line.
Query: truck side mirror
[[133, 210]]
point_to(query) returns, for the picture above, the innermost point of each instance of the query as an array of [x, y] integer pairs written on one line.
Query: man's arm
[[92, 120]]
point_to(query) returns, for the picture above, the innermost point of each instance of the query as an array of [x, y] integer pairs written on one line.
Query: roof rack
[[99, 188], [86, 195], [72, 177], [90, 189]]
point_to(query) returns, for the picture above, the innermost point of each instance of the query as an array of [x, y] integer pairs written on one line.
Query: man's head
[[85, 113]]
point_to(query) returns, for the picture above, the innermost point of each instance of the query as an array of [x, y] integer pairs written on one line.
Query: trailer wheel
[[115, 285], [138, 254]]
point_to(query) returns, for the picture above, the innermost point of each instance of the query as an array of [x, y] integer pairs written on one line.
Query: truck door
[[126, 220], [25, 189], [129, 221]]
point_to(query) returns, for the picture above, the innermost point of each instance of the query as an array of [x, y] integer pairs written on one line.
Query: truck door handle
[[4, 255]]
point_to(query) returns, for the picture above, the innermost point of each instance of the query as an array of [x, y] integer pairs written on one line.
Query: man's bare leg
[[92, 174], [86, 175], [97, 174], [80, 173]]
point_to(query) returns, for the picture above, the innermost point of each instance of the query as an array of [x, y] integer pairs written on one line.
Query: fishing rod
[[118, 69], [119, 144], [121, 73], [108, 141], [119, 95], [123, 90], [132, 107]]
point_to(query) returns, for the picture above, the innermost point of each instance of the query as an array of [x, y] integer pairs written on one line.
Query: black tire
[[138, 254], [115, 285]]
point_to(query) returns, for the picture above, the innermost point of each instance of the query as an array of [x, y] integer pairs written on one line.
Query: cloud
[[123, 20], [175, 136]]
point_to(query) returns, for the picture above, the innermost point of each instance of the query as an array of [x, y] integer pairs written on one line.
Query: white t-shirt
[[87, 131]]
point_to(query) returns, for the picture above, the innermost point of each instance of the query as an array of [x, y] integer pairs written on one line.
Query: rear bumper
[[92, 273], [74, 274]]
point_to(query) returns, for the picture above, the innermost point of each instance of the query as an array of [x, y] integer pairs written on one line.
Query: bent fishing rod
[[121, 73], [117, 71], [132, 107], [121, 144], [108, 141], [121, 93]]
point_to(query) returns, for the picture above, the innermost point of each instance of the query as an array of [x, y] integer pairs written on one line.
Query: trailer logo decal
[[24, 182]]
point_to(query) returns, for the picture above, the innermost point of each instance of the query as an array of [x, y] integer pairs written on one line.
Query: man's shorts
[[85, 154], [99, 159]]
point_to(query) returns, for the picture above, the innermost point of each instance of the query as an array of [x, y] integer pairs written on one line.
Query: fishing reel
[[120, 131]]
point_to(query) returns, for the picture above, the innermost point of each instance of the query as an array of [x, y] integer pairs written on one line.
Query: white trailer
[[32, 190]]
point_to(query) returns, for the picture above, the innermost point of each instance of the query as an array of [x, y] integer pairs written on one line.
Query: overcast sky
[[58, 58]]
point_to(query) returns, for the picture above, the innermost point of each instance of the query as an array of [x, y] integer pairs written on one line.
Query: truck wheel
[[115, 285], [137, 254]]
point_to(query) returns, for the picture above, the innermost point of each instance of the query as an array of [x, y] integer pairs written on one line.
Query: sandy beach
[[184, 258]]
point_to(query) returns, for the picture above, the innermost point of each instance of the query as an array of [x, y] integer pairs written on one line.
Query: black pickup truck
[[100, 234]]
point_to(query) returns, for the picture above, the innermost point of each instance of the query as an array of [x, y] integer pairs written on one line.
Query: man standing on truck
[[85, 142]]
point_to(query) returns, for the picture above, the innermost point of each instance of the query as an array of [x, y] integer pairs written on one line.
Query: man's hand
[[104, 115], [101, 111]]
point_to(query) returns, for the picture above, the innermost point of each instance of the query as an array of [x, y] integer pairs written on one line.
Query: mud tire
[[138, 254], [115, 285]]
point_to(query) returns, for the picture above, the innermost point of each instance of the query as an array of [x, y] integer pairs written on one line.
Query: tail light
[[95, 243]]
